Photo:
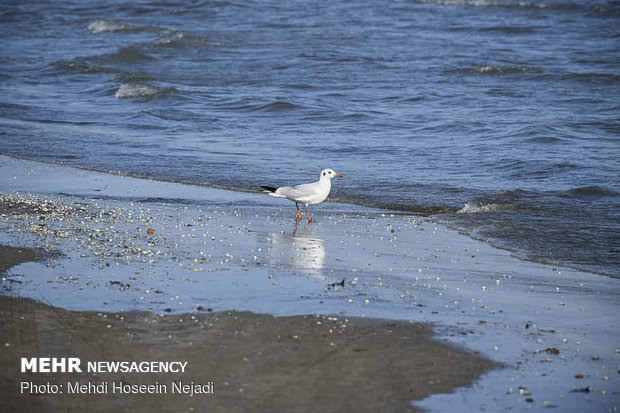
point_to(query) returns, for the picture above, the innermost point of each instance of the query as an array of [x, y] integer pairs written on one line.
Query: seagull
[[308, 194]]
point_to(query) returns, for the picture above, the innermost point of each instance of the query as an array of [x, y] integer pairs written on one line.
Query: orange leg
[[298, 216], [308, 215]]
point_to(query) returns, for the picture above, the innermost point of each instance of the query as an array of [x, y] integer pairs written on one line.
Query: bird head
[[329, 174]]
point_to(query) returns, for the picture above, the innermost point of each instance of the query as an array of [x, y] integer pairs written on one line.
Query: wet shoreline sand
[[252, 361], [131, 248]]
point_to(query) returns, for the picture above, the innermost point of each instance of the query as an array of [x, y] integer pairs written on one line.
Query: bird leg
[[308, 215], [298, 216]]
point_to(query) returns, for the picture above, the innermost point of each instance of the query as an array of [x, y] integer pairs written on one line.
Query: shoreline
[[211, 251], [236, 194]]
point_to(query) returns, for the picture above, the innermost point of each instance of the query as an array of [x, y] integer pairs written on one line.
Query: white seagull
[[308, 194]]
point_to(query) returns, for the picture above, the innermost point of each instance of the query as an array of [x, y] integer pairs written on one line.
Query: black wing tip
[[269, 188]]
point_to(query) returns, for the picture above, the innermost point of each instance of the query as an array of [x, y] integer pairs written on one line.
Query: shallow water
[[499, 117]]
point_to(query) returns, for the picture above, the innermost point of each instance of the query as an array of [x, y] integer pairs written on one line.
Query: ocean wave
[[278, 106], [501, 70], [138, 90], [82, 67], [175, 39], [601, 78], [508, 29], [250, 104], [128, 78], [492, 3], [591, 191], [126, 54], [545, 140], [607, 9], [180, 38], [168, 35], [482, 208], [103, 25]]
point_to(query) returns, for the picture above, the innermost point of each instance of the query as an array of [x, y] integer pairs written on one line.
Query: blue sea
[[500, 118]]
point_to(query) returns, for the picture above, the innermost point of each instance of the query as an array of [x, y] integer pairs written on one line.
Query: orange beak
[[337, 175]]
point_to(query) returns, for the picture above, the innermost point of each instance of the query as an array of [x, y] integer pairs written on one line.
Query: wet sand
[[121, 261], [11, 256], [250, 362]]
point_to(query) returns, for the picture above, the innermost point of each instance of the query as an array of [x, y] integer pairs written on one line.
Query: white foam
[[489, 69], [486, 3], [176, 37], [103, 25], [134, 90], [473, 208]]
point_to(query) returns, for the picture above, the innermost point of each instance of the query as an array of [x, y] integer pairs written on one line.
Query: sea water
[[500, 118]]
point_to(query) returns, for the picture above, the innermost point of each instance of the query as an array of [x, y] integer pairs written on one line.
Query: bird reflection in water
[[302, 252]]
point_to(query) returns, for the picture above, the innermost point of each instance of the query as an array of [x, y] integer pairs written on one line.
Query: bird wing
[[300, 193], [309, 194]]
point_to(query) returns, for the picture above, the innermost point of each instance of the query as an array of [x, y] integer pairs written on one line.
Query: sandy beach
[[366, 309]]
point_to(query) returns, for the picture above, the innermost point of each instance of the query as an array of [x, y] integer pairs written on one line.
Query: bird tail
[[271, 190]]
